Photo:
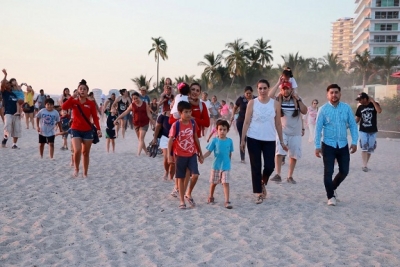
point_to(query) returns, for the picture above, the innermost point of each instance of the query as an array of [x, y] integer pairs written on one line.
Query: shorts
[[143, 128], [219, 177], [293, 142], [46, 139], [110, 134], [125, 118], [84, 135], [183, 163], [12, 125], [163, 142], [368, 141]]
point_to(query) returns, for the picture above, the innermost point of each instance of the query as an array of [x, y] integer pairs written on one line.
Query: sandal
[[191, 201], [228, 205], [259, 199], [182, 206], [210, 200]]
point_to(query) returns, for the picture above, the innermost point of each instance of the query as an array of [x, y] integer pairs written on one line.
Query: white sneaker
[[332, 201], [336, 195]]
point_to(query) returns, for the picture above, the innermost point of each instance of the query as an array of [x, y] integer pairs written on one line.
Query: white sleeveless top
[[262, 124]]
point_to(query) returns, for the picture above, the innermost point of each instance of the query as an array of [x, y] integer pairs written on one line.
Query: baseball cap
[[285, 84], [361, 96]]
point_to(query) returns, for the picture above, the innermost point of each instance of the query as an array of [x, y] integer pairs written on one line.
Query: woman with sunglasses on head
[[241, 105], [84, 111], [261, 125], [141, 119], [311, 118]]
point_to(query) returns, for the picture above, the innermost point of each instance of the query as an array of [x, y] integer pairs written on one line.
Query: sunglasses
[[315, 103]]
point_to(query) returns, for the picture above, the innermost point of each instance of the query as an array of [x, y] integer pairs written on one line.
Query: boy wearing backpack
[[183, 149], [65, 124]]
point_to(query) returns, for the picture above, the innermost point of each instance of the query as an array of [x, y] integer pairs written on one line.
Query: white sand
[[123, 215]]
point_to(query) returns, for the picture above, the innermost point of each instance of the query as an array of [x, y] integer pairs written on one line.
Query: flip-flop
[[154, 150], [182, 207], [228, 205], [191, 201]]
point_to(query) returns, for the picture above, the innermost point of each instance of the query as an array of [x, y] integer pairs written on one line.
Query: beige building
[[342, 37]]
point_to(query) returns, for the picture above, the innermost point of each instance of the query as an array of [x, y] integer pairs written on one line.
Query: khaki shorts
[[293, 143], [12, 125]]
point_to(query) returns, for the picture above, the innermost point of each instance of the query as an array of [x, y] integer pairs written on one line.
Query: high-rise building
[[97, 94], [376, 27], [342, 39], [115, 91]]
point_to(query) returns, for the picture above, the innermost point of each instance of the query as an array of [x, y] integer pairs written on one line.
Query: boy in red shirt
[[184, 147]]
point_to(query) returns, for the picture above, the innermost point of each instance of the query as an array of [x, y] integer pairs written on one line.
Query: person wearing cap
[[366, 115], [333, 120], [292, 129], [143, 95]]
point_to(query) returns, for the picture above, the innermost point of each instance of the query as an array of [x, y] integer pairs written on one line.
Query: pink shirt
[[225, 110]]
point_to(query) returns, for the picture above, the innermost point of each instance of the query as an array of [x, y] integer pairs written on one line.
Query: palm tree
[[363, 63], [142, 81], [236, 61], [159, 47], [187, 79], [210, 71], [385, 64], [265, 51], [333, 65], [297, 64]]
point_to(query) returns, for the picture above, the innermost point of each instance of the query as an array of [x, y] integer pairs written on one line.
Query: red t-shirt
[[140, 117], [184, 145], [88, 108]]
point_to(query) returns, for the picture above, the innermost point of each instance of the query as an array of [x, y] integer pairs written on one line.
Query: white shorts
[[293, 143], [12, 125], [163, 142]]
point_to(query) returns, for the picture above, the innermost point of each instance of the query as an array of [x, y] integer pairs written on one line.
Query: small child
[[184, 147], [46, 121], [184, 90], [110, 130], [65, 120], [224, 111], [16, 89], [220, 172], [287, 76]]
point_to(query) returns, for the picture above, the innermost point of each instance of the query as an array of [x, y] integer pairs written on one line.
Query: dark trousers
[[239, 126], [256, 149], [342, 156]]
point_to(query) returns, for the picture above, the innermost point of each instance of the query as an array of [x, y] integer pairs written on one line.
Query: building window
[[387, 3], [382, 51], [386, 14], [386, 27]]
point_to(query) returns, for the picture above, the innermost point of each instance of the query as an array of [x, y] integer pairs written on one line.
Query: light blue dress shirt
[[332, 123]]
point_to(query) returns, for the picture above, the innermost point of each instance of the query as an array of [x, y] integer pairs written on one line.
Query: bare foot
[[75, 174], [165, 177], [84, 175]]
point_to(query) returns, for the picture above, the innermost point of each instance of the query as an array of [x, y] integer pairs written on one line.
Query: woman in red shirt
[[141, 118], [81, 130]]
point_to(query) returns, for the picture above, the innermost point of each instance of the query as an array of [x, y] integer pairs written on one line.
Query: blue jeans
[[239, 126], [256, 149], [342, 156]]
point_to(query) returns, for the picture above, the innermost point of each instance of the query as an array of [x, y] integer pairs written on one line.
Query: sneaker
[[264, 191], [365, 169], [14, 147], [291, 180], [175, 193], [332, 201], [277, 178], [259, 199]]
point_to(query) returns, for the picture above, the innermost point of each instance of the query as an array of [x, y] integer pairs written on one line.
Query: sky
[[53, 44]]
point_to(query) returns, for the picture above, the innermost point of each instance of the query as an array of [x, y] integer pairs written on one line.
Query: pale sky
[[52, 44]]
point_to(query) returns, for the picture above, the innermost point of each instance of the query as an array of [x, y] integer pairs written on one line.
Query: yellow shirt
[[29, 98]]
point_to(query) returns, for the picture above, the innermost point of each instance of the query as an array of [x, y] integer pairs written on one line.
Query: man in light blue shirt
[[333, 120]]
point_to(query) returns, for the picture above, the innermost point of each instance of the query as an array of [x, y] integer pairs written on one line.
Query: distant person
[[143, 95], [40, 100], [46, 121], [108, 104], [205, 100], [121, 104], [224, 110], [154, 111], [366, 115], [214, 111], [29, 109], [65, 120], [222, 146], [64, 97], [311, 118], [110, 130], [333, 120]]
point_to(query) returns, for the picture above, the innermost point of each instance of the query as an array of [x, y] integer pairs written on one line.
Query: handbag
[[94, 129]]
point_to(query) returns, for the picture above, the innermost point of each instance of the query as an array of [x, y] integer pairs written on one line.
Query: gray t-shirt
[[290, 125], [41, 99], [48, 121]]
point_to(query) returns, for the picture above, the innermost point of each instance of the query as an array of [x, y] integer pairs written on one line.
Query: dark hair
[[65, 89], [223, 101], [249, 88], [49, 101], [83, 82], [165, 81], [222, 123], [11, 80], [333, 85], [315, 100], [113, 94], [122, 91], [135, 94], [184, 88], [91, 94], [263, 81], [287, 72], [184, 105], [41, 90], [195, 84]]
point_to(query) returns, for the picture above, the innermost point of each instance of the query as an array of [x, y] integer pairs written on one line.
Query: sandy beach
[[123, 214]]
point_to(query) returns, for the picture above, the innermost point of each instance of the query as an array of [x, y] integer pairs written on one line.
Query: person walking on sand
[[166, 98], [30, 106], [222, 147], [121, 104], [81, 131], [261, 125], [333, 120], [366, 115], [310, 118], [110, 130], [292, 129], [184, 149], [46, 121], [241, 105]]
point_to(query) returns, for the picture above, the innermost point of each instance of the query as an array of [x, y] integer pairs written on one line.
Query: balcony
[[361, 46], [365, 21], [360, 5], [372, 41], [362, 34]]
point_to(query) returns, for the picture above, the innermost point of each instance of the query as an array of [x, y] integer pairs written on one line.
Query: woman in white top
[[262, 122], [311, 118]]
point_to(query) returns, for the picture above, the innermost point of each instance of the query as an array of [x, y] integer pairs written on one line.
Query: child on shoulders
[[184, 90]]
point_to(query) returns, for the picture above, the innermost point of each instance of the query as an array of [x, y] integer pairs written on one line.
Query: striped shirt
[[333, 122], [290, 125]]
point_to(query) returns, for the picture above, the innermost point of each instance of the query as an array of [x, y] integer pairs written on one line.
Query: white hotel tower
[[376, 26]]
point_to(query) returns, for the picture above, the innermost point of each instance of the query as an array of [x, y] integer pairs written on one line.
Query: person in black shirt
[[366, 114]]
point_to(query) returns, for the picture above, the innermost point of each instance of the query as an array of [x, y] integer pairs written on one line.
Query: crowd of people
[[270, 124]]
